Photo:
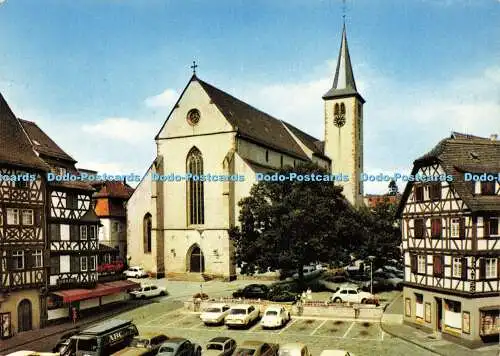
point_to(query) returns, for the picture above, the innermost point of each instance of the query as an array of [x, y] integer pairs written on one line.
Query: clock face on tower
[[339, 120]]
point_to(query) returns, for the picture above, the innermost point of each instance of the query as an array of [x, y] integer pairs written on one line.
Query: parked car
[[64, 340], [294, 349], [282, 294], [178, 346], [335, 353], [242, 315], [393, 281], [136, 272], [379, 285], [148, 291], [102, 339], [252, 291], [143, 345], [352, 295], [274, 316], [220, 346], [256, 348], [308, 272], [215, 313]]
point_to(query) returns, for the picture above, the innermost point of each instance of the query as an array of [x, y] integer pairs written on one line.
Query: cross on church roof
[[194, 66]]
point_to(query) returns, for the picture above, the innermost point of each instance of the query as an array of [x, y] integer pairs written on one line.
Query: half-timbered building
[[23, 238], [72, 230], [451, 240]]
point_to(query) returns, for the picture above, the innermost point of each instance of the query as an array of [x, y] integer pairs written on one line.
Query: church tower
[[344, 126]]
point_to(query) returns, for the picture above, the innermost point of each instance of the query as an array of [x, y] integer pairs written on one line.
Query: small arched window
[[336, 109], [342, 108], [267, 156], [195, 189], [147, 227]]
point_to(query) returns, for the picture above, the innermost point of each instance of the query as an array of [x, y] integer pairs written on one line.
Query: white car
[[242, 315], [335, 353], [294, 349], [351, 295], [148, 291], [215, 313], [274, 316], [136, 272]]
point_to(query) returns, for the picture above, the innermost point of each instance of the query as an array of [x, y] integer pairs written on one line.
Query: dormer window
[[488, 188], [435, 191]]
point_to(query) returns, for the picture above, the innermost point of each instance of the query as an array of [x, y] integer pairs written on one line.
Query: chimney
[[493, 137]]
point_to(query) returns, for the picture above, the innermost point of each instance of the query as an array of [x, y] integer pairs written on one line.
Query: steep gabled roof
[[15, 147], [43, 144], [252, 123], [458, 155], [343, 81]]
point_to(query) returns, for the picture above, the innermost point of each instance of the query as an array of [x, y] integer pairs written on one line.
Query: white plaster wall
[[137, 206]]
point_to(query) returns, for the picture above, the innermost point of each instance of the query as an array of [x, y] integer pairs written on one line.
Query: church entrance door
[[196, 260]]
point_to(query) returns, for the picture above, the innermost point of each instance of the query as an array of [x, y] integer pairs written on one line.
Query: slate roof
[[310, 142], [15, 147], [256, 125], [42, 143], [52, 153], [457, 155], [343, 82]]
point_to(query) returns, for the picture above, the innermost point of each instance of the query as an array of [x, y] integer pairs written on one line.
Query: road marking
[[320, 325], [349, 329], [288, 325]]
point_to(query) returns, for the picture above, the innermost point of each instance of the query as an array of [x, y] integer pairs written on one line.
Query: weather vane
[[194, 66], [343, 10]]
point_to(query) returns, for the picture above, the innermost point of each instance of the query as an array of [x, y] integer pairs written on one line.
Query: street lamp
[[371, 258]]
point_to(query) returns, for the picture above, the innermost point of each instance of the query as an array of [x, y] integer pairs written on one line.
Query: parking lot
[[357, 336]]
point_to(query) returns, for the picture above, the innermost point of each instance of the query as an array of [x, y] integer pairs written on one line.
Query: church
[[179, 229]]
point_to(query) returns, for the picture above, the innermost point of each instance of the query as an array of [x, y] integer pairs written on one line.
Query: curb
[[410, 341]]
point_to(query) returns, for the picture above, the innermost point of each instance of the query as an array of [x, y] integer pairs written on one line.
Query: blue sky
[[100, 76]]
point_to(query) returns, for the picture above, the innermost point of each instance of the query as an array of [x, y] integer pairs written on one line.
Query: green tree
[[287, 225]]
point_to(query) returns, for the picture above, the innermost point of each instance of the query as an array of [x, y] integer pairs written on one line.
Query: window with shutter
[[419, 193], [482, 268], [494, 226], [413, 263], [55, 232], [73, 233], [419, 228], [436, 228], [438, 262], [74, 264], [491, 268], [486, 226], [435, 191], [462, 228], [464, 269], [54, 265]]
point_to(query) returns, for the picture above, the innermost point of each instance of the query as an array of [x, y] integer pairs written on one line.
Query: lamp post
[[371, 273]]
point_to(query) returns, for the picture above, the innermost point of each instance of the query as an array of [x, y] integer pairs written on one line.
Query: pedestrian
[[74, 315], [309, 294]]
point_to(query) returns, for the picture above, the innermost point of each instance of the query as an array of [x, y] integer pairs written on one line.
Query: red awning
[[102, 289]]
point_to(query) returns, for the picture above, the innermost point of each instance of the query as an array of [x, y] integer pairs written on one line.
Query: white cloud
[[2, 1], [124, 129], [166, 99]]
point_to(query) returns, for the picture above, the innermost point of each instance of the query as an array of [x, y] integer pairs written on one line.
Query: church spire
[[343, 82]]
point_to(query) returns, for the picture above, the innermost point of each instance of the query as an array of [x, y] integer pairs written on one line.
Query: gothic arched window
[[336, 110], [342, 108], [146, 226], [195, 194]]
